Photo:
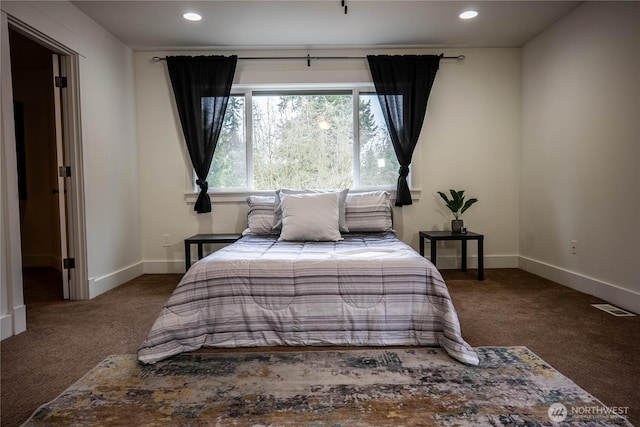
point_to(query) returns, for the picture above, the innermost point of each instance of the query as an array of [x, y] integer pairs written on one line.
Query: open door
[[64, 174], [69, 254]]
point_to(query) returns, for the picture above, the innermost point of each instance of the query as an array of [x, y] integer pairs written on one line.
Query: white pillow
[[342, 222], [310, 217]]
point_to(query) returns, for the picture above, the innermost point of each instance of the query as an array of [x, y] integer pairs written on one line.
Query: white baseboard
[[110, 281], [19, 319], [14, 323], [163, 267], [491, 261], [6, 326], [623, 298]]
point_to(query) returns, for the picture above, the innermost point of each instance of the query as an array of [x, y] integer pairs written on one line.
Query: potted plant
[[457, 206]]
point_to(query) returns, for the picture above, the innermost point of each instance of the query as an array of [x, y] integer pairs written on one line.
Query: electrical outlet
[[574, 247], [166, 241]]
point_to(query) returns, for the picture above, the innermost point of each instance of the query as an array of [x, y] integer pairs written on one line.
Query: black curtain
[[201, 85], [403, 84]]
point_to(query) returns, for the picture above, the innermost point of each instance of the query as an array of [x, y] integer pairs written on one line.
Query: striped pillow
[[261, 217], [369, 212]]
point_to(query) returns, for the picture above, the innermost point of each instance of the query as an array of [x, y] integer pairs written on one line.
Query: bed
[[364, 288]]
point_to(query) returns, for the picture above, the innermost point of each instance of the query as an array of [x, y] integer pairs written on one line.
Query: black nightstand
[[434, 236], [200, 239]]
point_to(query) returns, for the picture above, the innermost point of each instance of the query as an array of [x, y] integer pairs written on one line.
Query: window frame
[[222, 194]]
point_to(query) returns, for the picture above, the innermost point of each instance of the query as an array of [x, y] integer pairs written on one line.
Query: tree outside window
[[304, 140]]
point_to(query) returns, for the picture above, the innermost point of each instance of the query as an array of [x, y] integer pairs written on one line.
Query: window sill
[[241, 196]]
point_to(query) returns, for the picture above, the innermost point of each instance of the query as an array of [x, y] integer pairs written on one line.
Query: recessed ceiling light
[[468, 14], [191, 16]]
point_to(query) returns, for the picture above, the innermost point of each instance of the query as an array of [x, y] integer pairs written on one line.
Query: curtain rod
[[309, 58]]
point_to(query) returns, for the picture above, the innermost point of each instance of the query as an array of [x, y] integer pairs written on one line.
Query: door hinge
[[69, 263], [60, 81], [64, 171]]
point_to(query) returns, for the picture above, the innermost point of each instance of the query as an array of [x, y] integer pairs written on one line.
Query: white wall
[[111, 165], [109, 150], [470, 141], [581, 152]]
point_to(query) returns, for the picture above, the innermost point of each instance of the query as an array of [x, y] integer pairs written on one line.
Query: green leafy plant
[[456, 204]]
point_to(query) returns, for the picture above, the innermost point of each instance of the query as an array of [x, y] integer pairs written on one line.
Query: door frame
[[61, 178], [76, 225], [13, 316]]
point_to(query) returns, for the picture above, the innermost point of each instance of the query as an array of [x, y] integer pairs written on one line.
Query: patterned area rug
[[362, 387]]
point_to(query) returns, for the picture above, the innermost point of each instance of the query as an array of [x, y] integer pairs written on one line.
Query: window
[[378, 163], [229, 165], [303, 139]]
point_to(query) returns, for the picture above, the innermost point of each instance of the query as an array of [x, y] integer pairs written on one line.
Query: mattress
[[370, 289]]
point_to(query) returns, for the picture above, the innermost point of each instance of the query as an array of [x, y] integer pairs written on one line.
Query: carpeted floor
[[360, 387], [599, 352]]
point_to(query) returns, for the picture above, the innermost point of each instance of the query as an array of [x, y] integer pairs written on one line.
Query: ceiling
[[262, 24]]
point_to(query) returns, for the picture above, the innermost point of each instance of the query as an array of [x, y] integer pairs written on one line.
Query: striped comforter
[[369, 289]]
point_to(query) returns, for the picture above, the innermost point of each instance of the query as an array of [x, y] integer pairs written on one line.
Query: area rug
[[361, 387]]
